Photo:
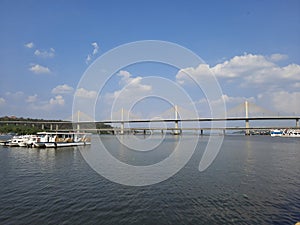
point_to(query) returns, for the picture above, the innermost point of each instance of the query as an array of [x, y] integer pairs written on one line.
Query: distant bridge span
[[197, 119], [81, 125], [296, 118], [156, 120]]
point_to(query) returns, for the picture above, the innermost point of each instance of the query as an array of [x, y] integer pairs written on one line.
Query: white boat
[[4, 143], [293, 133], [23, 140], [31, 140], [17, 141], [276, 133], [60, 139]]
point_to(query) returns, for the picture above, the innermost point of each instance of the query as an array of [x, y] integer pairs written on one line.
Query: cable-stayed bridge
[[246, 111], [175, 115]]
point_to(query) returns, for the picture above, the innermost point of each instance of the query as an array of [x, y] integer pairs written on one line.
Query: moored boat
[[293, 133], [17, 141], [276, 133], [61, 139], [4, 142], [285, 133]]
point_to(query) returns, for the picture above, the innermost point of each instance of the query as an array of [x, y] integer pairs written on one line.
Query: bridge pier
[[201, 132], [51, 126], [122, 123], [122, 128], [78, 126], [176, 131], [247, 116], [56, 127], [247, 128], [297, 122]]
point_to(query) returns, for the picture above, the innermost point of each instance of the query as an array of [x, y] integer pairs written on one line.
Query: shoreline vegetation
[[22, 129]]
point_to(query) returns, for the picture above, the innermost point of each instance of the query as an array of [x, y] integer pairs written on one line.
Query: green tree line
[[34, 128]]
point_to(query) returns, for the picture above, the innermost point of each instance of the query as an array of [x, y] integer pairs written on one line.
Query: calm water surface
[[253, 180]]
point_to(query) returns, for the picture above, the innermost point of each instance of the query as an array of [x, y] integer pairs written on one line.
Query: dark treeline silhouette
[[33, 128]]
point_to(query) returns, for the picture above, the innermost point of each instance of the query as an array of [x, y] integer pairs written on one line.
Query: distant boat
[[286, 133], [49, 140], [59, 139], [276, 133], [293, 133], [18, 141]]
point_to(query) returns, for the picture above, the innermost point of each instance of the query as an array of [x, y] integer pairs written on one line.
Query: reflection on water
[[253, 180], [139, 167]]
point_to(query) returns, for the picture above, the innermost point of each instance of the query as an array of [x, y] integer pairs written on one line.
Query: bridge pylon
[[176, 131], [122, 123], [247, 116]]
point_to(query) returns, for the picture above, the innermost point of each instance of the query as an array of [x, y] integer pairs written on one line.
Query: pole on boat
[[247, 116], [78, 119]]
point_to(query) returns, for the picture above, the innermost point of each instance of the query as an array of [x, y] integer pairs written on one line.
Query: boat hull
[[59, 144]]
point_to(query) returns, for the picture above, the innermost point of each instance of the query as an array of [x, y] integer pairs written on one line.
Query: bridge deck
[[158, 120]]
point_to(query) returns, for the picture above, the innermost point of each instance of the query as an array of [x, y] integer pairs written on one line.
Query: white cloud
[[241, 66], [88, 59], [95, 51], [45, 54], [57, 100], [15, 95], [132, 83], [226, 99], [236, 100], [83, 93], [96, 48], [62, 89], [250, 69], [189, 74], [276, 75], [282, 101], [31, 98], [38, 69], [29, 45], [230, 102], [296, 85], [2, 101], [132, 90], [125, 75], [44, 106], [278, 57]]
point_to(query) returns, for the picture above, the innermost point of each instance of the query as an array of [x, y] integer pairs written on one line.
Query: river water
[[253, 180]]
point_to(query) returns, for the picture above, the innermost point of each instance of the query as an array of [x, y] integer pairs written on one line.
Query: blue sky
[[253, 48]]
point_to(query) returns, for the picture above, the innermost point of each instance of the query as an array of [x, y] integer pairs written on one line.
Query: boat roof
[[44, 132]]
